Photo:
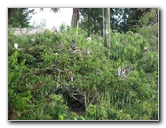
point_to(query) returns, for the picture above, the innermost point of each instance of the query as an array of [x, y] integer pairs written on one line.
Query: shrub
[[48, 81]]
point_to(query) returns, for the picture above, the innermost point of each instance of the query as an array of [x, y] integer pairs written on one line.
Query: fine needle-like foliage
[[47, 80]]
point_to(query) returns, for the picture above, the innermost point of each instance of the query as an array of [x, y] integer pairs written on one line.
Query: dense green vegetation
[[44, 75], [47, 80], [20, 17], [121, 19]]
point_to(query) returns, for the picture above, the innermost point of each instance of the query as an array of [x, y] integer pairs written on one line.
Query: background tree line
[[122, 19], [91, 20]]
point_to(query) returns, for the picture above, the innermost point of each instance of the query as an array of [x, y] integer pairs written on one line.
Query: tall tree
[[75, 17], [91, 20], [149, 23], [128, 19], [19, 17], [106, 28], [10, 12]]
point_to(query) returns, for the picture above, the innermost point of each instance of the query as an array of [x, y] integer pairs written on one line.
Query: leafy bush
[[48, 81]]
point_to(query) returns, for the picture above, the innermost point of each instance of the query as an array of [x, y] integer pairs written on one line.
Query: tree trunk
[[10, 12], [103, 24], [106, 28], [75, 17]]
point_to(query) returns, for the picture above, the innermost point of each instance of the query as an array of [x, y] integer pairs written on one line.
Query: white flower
[[56, 54], [33, 40], [89, 39], [145, 48], [16, 46]]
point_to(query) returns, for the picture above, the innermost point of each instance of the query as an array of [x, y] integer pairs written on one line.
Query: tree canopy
[[122, 19], [19, 17]]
